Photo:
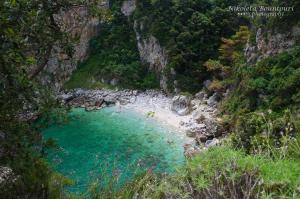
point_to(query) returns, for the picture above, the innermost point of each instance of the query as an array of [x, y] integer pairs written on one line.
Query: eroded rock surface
[[181, 105], [78, 23], [270, 43], [152, 53], [128, 7]]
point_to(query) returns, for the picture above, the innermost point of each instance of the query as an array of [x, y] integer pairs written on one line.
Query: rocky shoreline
[[194, 115]]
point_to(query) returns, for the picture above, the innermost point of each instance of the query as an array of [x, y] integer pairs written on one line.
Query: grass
[[220, 173], [83, 76]]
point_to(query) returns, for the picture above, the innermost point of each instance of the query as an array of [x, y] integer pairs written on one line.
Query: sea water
[[112, 142]]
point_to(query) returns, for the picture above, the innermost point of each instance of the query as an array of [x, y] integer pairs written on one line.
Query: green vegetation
[[221, 172], [203, 41], [114, 56], [28, 32], [264, 97], [261, 111], [191, 31]]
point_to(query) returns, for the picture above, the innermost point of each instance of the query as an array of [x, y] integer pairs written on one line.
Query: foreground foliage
[[262, 109], [219, 173], [27, 34]]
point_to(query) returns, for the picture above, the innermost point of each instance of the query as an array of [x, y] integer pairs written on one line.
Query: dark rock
[[98, 103], [213, 100], [201, 138], [207, 83]]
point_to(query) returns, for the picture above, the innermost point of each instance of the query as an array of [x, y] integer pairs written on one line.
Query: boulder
[[90, 108], [99, 102], [211, 143], [181, 105], [190, 133], [201, 138], [211, 128], [114, 82], [201, 95], [195, 129], [207, 83], [110, 99], [195, 103], [132, 100], [190, 151], [213, 100], [124, 101], [67, 97], [199, 116]]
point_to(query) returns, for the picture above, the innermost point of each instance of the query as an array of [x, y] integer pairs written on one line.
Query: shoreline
[[192, 117], [158, 108]]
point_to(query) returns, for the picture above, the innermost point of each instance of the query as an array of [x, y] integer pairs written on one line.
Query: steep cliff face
[[269, 43], [150, 50], [81, 26]]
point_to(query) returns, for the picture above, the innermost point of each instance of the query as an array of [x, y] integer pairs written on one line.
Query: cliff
[[269, 43], [81, 26]]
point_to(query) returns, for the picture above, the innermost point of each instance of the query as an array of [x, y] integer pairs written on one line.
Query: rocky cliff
[[81, 26], [150, 50], [268, 43]]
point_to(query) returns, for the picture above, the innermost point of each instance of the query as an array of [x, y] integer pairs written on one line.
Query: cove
[[112, 141]]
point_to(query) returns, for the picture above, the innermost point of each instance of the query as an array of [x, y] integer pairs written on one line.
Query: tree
[[27, 34]]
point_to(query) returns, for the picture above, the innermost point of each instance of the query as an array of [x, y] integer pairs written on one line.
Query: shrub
[[220, 173]]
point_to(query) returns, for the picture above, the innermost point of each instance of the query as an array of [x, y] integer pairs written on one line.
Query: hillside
[[240, 60]]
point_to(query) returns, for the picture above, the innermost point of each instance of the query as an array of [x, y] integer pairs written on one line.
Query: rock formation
[[270, 43], [181, 105], [82, 27], [152, 53], [128, 7]]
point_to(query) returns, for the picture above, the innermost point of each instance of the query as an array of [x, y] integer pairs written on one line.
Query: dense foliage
[[27, 34], [261, 109], [264, 97], [219, 173], [114, 57], [191, 31]]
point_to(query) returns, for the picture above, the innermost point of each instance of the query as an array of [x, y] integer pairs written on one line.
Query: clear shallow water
[[113, 142]]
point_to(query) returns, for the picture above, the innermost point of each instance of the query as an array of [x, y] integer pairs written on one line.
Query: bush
[[114, 55], [220, 173]]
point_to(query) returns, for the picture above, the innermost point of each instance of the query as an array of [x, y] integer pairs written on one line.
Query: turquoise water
[[110, 142]]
